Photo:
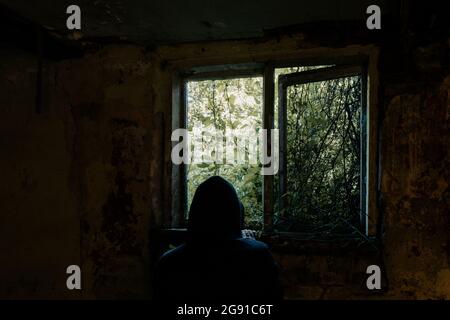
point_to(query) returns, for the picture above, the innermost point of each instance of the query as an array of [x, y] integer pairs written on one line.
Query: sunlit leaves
[[228, 104]]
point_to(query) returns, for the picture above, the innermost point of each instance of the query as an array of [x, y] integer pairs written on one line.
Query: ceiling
[[175, 21]]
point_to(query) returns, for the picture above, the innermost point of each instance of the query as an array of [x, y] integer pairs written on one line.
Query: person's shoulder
[[256, 251], [172, 254], [253, 244]]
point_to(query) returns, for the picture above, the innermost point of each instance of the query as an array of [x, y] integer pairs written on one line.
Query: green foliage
[[228, 104], [323, 156], [323, 148]]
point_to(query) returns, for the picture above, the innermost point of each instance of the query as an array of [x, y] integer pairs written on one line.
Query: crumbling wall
[[416, 172], [39, 220], [78, 188], [108, 101]]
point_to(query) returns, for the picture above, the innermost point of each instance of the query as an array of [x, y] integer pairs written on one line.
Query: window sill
[[288, 242], [297, 243]]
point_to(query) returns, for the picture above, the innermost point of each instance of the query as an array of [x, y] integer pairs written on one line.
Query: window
[[321, 112]]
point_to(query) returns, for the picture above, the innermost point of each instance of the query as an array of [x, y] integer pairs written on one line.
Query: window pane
[[277, 73], [323, 155], [224, 105]]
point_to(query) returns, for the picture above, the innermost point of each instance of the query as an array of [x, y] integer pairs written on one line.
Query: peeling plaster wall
[[77, 187], [88, 181], [39, 233], [416, 173]]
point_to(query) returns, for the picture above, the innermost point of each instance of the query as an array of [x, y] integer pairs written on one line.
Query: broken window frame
[[318, 75], [369, 160]]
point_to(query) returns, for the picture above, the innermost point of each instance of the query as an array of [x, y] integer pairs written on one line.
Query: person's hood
[[215, 212]]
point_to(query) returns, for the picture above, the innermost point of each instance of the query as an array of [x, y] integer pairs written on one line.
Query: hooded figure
[[216, 263]]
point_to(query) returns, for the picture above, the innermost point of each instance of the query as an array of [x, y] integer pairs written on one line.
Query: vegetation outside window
[[321, 113]]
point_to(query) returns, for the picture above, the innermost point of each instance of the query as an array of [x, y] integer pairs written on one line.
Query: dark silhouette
[[216, 262]]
